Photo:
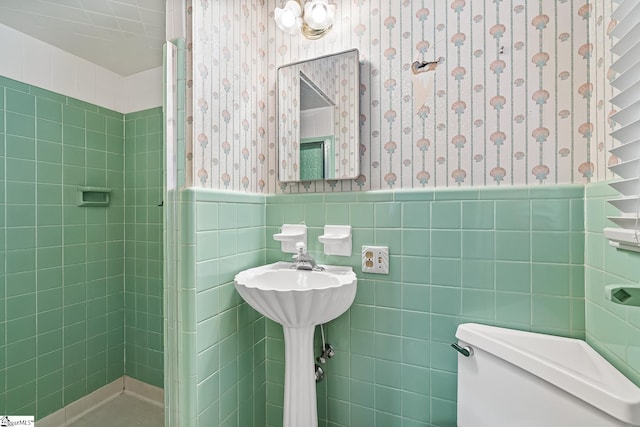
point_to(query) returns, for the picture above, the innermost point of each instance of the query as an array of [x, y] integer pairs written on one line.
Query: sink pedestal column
[[300, 406]]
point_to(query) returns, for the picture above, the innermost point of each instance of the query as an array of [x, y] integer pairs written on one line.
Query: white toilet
[[523, 379]]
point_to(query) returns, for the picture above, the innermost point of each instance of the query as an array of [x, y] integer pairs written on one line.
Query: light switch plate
[[375, 259]]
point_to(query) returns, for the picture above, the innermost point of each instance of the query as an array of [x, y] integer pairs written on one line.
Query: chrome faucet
[[303, 261]]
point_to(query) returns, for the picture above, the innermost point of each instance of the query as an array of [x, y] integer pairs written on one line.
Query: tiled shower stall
[[79, 284]]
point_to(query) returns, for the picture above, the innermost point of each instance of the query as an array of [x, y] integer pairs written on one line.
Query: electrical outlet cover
[[375, 259]]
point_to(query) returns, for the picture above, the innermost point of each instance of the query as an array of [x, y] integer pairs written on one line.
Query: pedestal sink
[[298, 300]]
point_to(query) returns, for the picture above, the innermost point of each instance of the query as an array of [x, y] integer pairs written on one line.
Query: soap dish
[[336, 240], [289, 235], [628, 295]]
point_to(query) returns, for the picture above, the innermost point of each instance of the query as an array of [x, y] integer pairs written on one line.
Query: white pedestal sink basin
[[298, 300]]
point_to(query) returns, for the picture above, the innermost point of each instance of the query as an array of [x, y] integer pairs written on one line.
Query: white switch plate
[[375, 259]]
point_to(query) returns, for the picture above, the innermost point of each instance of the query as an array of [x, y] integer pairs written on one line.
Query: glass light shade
[[289, 18], [319, 14]]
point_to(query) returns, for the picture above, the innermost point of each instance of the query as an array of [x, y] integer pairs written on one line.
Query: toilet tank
[[525, 379]]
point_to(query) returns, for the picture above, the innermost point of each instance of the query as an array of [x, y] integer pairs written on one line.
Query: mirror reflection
[[318, 110]]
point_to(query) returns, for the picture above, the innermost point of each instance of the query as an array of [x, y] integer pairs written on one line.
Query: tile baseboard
[[80, 407], [144, 391]]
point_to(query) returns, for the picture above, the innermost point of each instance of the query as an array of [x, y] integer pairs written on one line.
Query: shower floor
[[125, 410]]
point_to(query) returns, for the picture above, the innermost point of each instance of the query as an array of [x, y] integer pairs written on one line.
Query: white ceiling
[[124, 36]]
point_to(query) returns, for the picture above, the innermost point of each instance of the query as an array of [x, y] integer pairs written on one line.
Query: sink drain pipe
[[327, 352]]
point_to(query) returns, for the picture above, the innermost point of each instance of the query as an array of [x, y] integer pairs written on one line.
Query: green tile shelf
[[93, 196]]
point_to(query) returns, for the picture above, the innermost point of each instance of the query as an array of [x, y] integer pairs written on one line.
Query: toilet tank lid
[[569, 364]]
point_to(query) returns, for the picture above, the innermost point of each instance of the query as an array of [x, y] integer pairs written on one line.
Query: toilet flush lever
[[466, 351]]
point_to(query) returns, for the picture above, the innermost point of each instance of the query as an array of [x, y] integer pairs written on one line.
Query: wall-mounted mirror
[[318, 111]]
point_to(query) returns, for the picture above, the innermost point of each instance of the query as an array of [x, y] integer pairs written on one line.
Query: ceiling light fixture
[[313, 20]]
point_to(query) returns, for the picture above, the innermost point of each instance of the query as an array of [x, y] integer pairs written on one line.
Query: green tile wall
[[61, 278], [511, 257], [222, 340], [143, 197], [612, 329]]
